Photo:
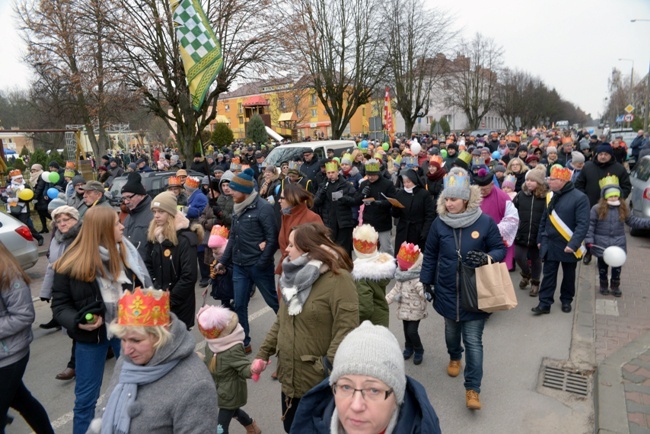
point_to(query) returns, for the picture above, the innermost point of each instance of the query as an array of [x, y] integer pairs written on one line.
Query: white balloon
[[614, 256], [415, 147], [45, 176]]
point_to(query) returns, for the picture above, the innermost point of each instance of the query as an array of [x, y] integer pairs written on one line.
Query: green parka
[[233, 368]]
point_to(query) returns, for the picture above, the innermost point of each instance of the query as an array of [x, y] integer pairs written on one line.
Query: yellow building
[[288, 108]]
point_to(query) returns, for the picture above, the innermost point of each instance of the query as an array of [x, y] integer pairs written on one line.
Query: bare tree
[[153, 67], [415, 37], [337, 44], [474, 78]]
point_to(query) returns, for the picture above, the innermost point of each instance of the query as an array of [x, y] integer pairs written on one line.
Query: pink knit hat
[[218, 237]]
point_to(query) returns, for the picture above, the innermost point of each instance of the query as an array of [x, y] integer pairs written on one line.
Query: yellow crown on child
[[465, 157], [331, 166], [559, 172], [608, 180], [372, 166], [148, 308]]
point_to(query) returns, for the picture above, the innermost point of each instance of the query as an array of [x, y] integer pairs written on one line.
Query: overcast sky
[[570, 44]]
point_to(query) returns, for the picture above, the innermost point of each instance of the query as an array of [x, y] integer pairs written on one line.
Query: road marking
[[67, 418]]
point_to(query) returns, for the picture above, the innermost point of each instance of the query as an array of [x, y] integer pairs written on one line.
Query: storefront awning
[[255, 101], [288, 116], [221, 119]]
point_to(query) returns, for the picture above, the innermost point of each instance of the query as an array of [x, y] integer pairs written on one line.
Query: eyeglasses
[[34, 170], [281, 197], [127, 197], [373, 394]]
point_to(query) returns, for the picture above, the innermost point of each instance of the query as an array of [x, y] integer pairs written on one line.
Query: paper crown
[[148, 308], [331, 166], [455, 180], [220, 231], [435, 159], [372, 166], [192, 182], [218, 237], [346, 156], [216, 321], [465, 157], [174, 181], [14, 173], [235, 164], [70, 165], [407, 255], [477, 160], [409, 161], [509, 179], [294, 165], [364, 239], [559, 172], [610, 180]]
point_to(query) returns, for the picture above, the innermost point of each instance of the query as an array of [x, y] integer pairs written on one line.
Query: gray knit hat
[[577, 157], [456, 184], [165, 201], [371, 350]]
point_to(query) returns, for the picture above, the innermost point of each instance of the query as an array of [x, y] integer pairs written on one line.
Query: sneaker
[[453, 368], [408, 352], [472, 400]]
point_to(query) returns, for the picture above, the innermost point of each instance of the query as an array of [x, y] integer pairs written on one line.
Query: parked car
[[482, 132], [291, 152], [18, 240], [640, 196], [153, 182]]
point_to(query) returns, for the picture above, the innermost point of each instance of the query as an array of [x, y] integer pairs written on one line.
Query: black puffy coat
[[40, 194], [593, 171], [336, 213], [531, 209], [377, 213], [415, 218]]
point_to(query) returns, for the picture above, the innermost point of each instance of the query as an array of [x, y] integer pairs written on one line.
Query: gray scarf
[[461, 220], [116, 418], [296, 281], [238, 208], [410, 274]]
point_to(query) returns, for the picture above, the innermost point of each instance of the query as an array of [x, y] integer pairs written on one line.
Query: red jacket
[[299, 214]]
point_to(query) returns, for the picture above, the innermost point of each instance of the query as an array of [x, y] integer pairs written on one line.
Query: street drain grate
[[566, 381]]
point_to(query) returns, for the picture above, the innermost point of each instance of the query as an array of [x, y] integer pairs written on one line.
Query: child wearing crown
[[227, 362], [408, 292], [607, 220], [222, 288], [372, 272]]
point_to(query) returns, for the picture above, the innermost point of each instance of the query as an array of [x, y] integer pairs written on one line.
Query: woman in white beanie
[[368, 391]]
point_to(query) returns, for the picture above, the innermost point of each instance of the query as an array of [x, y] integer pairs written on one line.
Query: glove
[[257, 367], [47, 300], [429, 293], [476, 259], [366, 190]]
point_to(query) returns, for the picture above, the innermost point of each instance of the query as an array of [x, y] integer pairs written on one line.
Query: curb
[[582, 353]]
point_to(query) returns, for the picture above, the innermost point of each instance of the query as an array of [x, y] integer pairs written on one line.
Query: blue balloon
[[496, 155], [591, 130], [52, 193], [363, 144]]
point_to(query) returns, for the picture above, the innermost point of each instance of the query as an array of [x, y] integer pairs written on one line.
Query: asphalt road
[[515, 345]]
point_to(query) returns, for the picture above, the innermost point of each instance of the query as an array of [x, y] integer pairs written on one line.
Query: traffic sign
[[628, 117], [629, 108]]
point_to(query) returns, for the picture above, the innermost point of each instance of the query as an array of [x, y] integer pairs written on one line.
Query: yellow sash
[[562, 228]]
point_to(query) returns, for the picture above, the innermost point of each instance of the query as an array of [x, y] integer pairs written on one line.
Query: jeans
[[549, 282], [243, 278], [225, 416], [523, 254], [412, 339], [603, 268], [90, 360], [472, 335], [14, 394], [385, 243]]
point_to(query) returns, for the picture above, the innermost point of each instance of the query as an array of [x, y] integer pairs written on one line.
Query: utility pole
[[646, 111]]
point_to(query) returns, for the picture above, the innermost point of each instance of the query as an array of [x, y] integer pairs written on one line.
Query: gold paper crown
[[15, 172], [347, 155], [466, 157], [220, 231], [145, 309], [372, 165], [174, 181], [70, 165], [331, 166], [294, 165], [192, 182], [608, 180], [436, 159], [408, 252], [559, 172]]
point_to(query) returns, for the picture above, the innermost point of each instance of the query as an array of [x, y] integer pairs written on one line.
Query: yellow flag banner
[[200, 49]]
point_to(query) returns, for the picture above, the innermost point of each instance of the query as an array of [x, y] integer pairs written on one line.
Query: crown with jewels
[[174, 181], [372, 165], [608, 181], [148, 308], [364, 239], [331, 166], [435, 159], [455, 180], [559, 172], [220, 231], [407, 255], [510, 179]]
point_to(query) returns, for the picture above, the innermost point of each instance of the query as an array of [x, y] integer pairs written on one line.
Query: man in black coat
[[138, 202], [310, 166]]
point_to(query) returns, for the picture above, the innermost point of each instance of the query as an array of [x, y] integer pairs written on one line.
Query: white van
[[294, 151]]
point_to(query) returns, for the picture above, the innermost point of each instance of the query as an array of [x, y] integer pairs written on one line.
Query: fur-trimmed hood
[[181, 222], [378, 267], [473, 202]]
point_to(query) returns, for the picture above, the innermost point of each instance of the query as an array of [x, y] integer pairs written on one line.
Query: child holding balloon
[[17, 197], [606, 229]]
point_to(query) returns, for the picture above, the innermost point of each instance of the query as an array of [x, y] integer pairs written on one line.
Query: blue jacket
[[255, 224], [196, 203], [416, 415], [573, 209]]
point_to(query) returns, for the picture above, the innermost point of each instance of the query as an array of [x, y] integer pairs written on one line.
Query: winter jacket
[[299, 214], [408, 292], [252, 226], [223, 209], [377, 212], [531, 208], [71, 297], [593, 171], [416, 415], [136, 225], [40, 194], [415, 218], [101, 202], [173, 268], [573, 209], [611, 230], [310, 169], [233, 368], [440, 261], [182, 401], [196, 203], [306, 343], [372, 276], [199, 166], [16, 318], [353, 177], [59, 243], [336, 214]]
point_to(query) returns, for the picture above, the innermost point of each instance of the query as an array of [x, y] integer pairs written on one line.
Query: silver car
[[18, 240], [640, 196]]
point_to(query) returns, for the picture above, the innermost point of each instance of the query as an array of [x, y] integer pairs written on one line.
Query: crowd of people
[[413, 211]]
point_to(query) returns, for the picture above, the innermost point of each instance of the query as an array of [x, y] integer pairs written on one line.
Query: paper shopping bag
[[494, 287]]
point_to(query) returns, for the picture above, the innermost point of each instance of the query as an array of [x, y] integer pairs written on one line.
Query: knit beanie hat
[[243, 182], [364, 240], [56, 204], [192, 183], [216, 321], [605, 147], [134, 184], [371, 350], [78, 180], [538, 174], [499, 168], [551, 150], [218, 236], [165, 201], [577, 157], [65, 209], [408, 255], [54, 164], [456, 184]]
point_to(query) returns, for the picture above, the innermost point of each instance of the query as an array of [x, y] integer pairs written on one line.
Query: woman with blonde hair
[[518, 169], [319, 307], [171, 255], [88, 282]]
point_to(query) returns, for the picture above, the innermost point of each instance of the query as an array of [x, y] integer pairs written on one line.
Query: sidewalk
[[622, 346]]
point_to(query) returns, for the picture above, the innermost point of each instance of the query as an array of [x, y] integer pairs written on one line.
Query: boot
[[253, 429], [417, 358], [534, 288], [453, 369], [525, 280], [408, 352], [616, 290], [472, 400], [51, 325], [604, 290], [587, 258]]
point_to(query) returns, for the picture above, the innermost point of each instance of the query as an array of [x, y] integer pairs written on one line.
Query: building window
[[282, 104], [227, 107], [363, 112], [313, 99], [240, 108], [314, 113], [241, 120]]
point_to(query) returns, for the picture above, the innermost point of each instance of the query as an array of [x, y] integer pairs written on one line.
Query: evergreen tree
[[222, 136], [444, 125], [256, 130], [432, 128]]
